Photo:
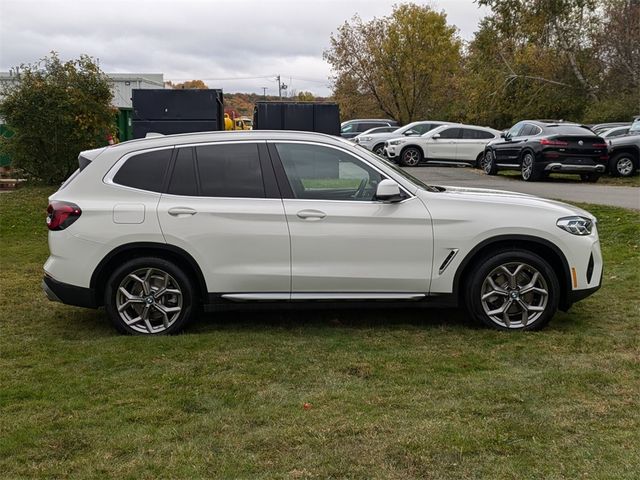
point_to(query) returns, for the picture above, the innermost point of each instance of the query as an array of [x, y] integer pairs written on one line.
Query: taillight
[[554, 143], [599, 145], [62, 214]]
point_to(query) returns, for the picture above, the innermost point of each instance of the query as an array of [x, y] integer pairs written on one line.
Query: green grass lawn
[[394, 393]]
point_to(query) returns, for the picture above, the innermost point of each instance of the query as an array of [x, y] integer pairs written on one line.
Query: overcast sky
[[222, 42]]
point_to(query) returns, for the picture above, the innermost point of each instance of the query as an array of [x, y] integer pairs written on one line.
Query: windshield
[[635, 126], [416, 181]]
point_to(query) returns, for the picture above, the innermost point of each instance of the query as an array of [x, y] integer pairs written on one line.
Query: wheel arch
[[126, 252], [544, 248], [633, 150]]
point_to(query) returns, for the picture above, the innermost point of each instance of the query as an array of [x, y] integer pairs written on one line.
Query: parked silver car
[[375, 142]]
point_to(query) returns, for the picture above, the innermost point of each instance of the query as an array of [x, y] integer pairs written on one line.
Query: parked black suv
[[625, 154], [539, 148]]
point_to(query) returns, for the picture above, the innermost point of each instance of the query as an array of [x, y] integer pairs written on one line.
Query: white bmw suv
[[157, 229]]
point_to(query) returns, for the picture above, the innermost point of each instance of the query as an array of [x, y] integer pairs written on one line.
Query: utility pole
[[279, 87], [264, 93]]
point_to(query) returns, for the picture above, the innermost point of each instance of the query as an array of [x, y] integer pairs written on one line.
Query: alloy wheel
[[624, 166], [527, 166], [411, 157], [486, 162], [149, 300], [379, 150], [514, 295]]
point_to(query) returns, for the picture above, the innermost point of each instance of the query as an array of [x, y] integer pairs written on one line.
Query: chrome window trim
[[113, 171]]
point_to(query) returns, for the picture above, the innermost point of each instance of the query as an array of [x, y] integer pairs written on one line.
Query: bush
[[56, 110]]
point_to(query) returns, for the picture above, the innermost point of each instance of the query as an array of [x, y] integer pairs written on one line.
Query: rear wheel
[[513, 290], [410, 157], [622, 165], [489, 163], [529, 170], [149, 296], [590, 177]]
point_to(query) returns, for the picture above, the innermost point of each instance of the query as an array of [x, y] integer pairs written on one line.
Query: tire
[[489, 163], [134, 302], [479, 160], [378, 149], [489, 275], [410, 157], [622, 164], [529, 169], [590, 177]]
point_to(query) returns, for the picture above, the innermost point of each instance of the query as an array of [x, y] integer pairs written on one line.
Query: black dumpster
[[304, 116], [177, 111]]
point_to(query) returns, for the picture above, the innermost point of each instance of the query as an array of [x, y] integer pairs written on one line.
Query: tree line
[[575, 60]]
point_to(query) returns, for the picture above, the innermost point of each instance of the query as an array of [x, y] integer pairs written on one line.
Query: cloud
[[189, 39]]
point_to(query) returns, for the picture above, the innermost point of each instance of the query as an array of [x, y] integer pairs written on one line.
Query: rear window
[[231, 170], [473, 134], [145, 171], [568, 130]]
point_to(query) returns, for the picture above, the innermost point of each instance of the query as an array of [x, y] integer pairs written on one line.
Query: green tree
[[404, 64], [56, 109]]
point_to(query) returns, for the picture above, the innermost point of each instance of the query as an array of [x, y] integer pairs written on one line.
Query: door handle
[[311, 214], [181, 211]]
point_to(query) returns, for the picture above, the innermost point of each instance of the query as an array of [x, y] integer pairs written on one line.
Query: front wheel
[[149, 296], [513, 290], [379, 149], [410, 157], [622, 165], [489, 163]]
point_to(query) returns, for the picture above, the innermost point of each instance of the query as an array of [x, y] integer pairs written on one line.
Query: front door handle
[[181, 211], [311, 214]]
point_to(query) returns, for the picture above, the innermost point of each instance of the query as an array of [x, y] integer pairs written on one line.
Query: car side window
[[145, 171], [183, 178], [230, 170], [516, 130], [451, 133], [323, 173]]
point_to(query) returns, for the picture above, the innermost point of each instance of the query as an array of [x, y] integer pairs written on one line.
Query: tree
[[56, 110], [189, 85], [404, 64]]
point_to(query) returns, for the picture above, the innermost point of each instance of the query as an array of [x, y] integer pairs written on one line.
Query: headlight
[[366, 139], [395, 142], [576, 225]]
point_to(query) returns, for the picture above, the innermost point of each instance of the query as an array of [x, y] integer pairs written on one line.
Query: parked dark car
[[624, 153], [351, 128], [538, 149]]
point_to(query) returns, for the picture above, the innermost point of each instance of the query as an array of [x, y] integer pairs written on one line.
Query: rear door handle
[[311, 214], [181, 211]]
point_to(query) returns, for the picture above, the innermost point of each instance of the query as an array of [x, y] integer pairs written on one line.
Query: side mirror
[[505, 134], [435, 136], [389, 191]]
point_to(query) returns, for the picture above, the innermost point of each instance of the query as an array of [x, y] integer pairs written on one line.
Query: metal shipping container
[[304, 116]]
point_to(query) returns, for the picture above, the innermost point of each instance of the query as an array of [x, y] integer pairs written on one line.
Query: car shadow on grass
[[351, 318]]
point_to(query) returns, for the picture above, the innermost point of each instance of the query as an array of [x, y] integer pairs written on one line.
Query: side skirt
[[313, 301]]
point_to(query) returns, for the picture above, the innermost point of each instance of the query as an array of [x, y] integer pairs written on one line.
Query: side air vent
[[590, 269], [448, 260]]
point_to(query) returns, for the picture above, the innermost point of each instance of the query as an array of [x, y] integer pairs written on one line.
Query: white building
[[123, 84]]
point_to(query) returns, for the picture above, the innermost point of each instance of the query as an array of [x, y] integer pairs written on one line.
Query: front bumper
[[69, 294], [391, 151]]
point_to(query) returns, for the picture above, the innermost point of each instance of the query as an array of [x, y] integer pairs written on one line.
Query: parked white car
[[374, 142], [453, 143], [155, 229]]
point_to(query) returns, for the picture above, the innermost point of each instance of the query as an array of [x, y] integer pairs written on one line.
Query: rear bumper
[[568, 168], [68, 294]]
